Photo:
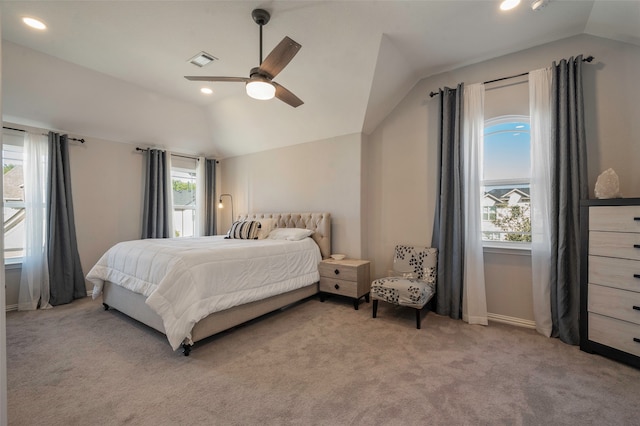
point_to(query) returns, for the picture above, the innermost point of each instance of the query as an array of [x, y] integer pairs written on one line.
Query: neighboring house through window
[[507, 174], [13, 196], [183, 182]]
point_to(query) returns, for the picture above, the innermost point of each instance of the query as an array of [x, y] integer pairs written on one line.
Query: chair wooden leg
[[418, 318], [375, 307]]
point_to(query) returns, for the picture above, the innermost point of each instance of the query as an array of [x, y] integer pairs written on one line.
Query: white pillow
[[267, 226], [291, 234]]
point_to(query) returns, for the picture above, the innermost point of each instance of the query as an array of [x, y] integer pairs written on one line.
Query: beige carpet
[[314, 363]]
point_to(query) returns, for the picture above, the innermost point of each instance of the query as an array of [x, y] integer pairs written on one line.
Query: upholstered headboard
[[320, 223]]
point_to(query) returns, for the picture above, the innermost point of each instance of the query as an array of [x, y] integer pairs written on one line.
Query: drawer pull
[[636, 246], [635, 339], [337, 272], [636, 308], [637, 219], [636, 275], [337, 287]]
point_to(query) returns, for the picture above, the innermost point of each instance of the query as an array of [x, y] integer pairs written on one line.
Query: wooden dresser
[[610, 279]]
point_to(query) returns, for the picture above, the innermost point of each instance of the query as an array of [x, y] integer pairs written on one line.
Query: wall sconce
[[220, 205]]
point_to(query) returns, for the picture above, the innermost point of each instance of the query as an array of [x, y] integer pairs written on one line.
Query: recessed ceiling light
[[509, 4], [206, 91], [34, 23], [538, 4]]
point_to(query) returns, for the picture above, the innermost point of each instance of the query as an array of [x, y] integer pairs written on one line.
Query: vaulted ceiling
[[115, 69]]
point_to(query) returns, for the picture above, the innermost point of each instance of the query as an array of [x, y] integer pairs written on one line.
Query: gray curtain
[[210, 198], [448, 227], [569, 185], [66, 279], [156, 209]]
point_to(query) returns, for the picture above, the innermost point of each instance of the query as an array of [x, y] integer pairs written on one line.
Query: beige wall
[[401, 153], [316, 176], [3, 328], [106, 180]]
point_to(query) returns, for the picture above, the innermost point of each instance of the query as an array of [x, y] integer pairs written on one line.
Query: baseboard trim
[[518, 322], [15, 306]]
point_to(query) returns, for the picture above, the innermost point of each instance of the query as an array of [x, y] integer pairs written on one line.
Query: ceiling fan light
[[260, 89], [34, 23]]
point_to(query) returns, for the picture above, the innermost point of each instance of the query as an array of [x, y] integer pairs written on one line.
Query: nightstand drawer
[[346, 277], [340, 271], [615, 303], [338, 286], [615, 333]]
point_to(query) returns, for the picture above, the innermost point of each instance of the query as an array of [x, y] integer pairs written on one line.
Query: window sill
[[506, 248], [13, 263]]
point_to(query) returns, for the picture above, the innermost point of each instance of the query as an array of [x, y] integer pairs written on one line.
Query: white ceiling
[[119, 60]]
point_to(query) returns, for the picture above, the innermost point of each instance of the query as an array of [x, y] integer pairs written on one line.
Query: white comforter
[[186, 279]]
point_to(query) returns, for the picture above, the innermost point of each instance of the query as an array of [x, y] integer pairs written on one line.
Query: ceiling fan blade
[[286, 96], [201, 78], [279, 57]]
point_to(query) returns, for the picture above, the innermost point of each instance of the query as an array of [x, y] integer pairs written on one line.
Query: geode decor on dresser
[[607, 185]]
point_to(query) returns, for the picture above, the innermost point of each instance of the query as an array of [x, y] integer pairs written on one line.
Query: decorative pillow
[[291, 234], [266, 226], [244, 230]]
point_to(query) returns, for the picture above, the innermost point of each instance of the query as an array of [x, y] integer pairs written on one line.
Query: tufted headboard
[[318, 222]]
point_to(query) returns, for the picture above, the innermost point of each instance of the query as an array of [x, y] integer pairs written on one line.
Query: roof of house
[[505, 193], [14, 184], [184, 198]]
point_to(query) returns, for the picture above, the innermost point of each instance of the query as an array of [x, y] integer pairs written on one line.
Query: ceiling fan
[[260, 84]]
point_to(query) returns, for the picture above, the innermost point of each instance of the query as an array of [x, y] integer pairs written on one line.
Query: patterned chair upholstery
[[414, 280]]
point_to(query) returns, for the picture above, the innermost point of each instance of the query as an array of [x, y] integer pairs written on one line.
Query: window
[[13, 196], [489, 213], [506, 180], [183, 182]]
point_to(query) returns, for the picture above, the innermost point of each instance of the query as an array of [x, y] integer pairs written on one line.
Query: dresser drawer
[[615, 218], [614, 333], [615, 244], [336, 270], [614, 303], [613, 272], [338, 286]]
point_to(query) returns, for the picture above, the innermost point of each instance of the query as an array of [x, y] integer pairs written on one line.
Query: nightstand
[[347, 277]]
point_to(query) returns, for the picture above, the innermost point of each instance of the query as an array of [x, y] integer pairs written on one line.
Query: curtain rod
[[587, 59], [175, 155], [43, 134]]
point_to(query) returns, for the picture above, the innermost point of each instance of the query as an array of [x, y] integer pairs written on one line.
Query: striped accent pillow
[[244, 230]]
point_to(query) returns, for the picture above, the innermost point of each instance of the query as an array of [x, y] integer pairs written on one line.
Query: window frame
[[495, 245]]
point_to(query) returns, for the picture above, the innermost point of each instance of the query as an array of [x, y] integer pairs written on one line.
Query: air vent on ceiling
[[202, 59]]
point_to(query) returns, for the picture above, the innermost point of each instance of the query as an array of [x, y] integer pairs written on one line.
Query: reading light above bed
[[220, 205]]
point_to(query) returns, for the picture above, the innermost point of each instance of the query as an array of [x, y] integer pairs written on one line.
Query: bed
[[136, 301]]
